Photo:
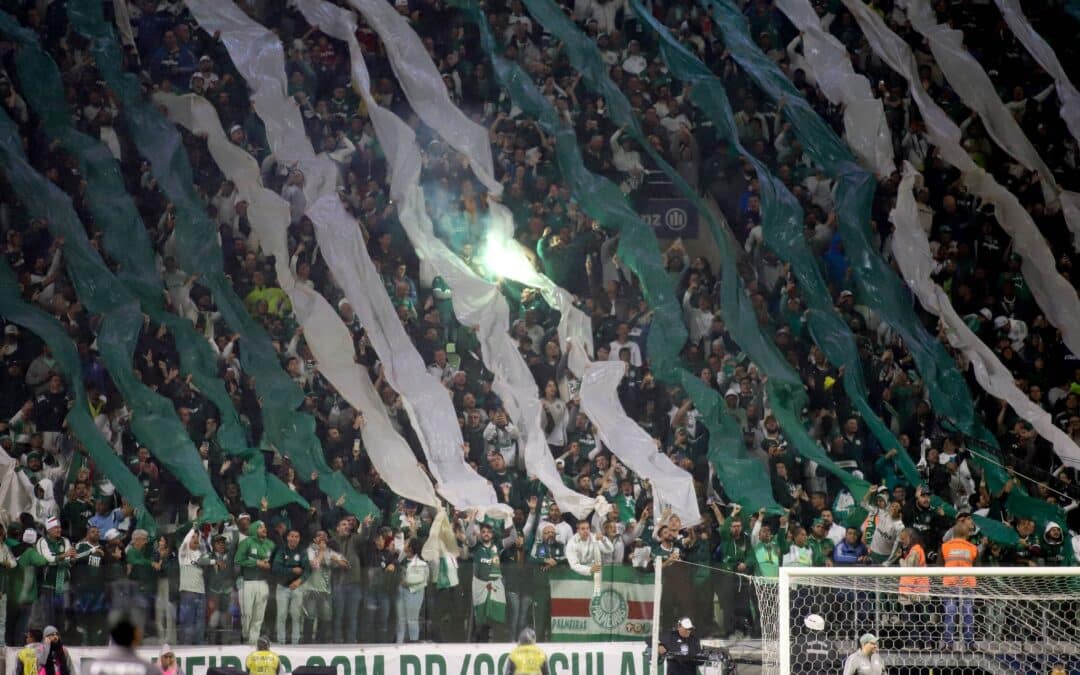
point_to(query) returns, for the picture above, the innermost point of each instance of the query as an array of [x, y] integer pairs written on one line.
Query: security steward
[[681, 648], [527, 658], [31, 654], [262, 661]]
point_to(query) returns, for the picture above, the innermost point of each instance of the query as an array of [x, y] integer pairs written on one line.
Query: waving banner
[[971, 83], [1054, 294], [476, 301], [126, 241], [199, 252], [153, 418], [258, 55]]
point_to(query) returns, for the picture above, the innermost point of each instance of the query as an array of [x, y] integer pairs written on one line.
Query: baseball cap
[[686, 623], [868, 638]]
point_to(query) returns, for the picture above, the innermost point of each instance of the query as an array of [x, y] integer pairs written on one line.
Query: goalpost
[[944, 621]]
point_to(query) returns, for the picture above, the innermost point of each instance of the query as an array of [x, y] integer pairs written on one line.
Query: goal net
[[925, 620]]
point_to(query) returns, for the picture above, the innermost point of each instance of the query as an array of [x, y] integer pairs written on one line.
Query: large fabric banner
[[1054, 294], [597, 658], [620, 608], [286, 428], [976, 90]]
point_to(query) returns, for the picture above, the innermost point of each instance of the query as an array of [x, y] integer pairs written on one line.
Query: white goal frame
[[791, 575]]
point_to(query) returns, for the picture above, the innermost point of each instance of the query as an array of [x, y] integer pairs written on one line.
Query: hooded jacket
[[1052, 548], [45, 507], [252, 550]]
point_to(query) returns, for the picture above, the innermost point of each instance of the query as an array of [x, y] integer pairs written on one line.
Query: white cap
[[686, 623], [29, 536], [52, 522], [814, 622]]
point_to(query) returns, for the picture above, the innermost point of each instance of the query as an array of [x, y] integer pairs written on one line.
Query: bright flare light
[[505, 259]]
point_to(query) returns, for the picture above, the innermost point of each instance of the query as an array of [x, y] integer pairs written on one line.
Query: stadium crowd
[[336, 579]]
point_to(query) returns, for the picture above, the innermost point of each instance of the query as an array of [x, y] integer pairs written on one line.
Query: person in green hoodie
[[253, 557], [736, 556], [24, 581]]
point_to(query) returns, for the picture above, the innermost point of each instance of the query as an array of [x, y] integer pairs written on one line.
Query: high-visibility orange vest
[[959, 553], [913, 585]]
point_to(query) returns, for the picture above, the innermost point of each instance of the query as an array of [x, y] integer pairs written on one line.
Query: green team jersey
[[767, 556], [586, 439], [486, 563], [627, 506]]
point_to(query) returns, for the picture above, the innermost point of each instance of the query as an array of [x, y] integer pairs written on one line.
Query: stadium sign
[[671, 218], [415, 659]]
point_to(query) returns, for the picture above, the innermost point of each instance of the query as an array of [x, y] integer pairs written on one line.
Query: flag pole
[[654, 645]]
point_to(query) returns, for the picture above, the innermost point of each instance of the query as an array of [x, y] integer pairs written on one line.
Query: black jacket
[[682, 653]]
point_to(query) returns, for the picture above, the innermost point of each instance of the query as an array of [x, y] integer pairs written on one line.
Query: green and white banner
[[443, 659], [620, 608]]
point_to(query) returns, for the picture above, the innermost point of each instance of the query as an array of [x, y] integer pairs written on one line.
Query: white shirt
[[885, 534], [563, 532], [635, 352], [836, 533], [583, 554]]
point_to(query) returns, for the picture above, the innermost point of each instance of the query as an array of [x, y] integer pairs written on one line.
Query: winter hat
[[1046, 533], [51, 523]]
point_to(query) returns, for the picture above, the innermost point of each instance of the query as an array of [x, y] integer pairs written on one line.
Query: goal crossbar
[[796, 572]]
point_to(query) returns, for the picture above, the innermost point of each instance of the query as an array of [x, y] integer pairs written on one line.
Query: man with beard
[[88, 580], [347, 581], [489, 593], [59, 556], [547, 554], [929, 522], [253, 558]]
